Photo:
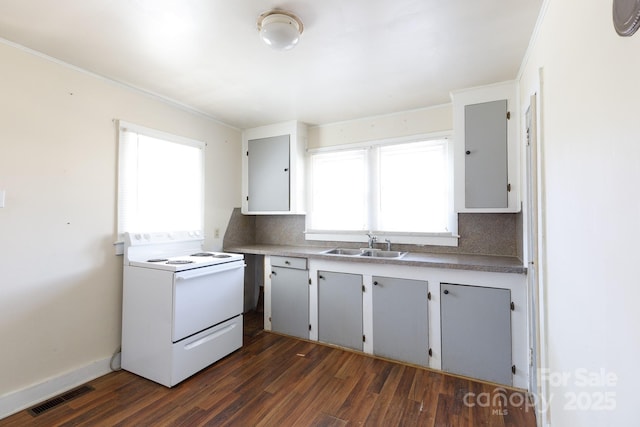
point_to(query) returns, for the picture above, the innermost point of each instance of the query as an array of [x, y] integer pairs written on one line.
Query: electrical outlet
[[216, 233]]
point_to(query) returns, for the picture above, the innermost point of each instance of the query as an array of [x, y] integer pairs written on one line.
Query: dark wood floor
[[280, 381]]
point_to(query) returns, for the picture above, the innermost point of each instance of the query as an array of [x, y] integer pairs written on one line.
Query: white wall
[[415, 122], [60, 282], [591, 211]]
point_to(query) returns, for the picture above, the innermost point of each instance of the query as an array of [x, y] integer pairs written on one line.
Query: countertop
[[489, 263]]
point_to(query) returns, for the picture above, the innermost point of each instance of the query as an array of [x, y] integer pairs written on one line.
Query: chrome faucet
[[388, 242], [372, 240]]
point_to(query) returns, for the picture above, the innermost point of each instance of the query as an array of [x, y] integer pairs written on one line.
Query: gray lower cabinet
[[290, 296], [476, 332], [400, 319], [340, 309]]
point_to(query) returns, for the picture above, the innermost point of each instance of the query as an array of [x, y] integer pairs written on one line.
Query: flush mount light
[[280, 29]]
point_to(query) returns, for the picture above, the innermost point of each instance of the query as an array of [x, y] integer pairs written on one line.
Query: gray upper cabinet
[[476, 332], [400, 319], [273, 169], [485, 147], [268, 163], [340, 309], [485, 122]]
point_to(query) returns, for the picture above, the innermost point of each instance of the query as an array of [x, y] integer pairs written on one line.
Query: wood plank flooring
[[275, 380]]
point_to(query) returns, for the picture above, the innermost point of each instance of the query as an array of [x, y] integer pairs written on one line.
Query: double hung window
[[401, 190], [160, 181]]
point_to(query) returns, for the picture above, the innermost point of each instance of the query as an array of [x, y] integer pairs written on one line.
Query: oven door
[[206, 296]]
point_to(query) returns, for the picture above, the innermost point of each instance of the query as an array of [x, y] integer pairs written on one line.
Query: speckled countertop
[[497, 264]]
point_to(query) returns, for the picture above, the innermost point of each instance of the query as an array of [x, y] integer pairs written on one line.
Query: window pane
[[413, 187], [169, 186], [338, 191], [160, 184]]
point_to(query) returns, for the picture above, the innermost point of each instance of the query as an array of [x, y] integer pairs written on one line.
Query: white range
[[182, 306]]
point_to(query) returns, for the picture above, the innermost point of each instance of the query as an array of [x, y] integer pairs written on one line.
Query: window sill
[[435, 239]]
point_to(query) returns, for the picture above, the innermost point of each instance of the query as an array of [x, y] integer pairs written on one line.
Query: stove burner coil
[[179, 262], [212, 255], [157, 260]]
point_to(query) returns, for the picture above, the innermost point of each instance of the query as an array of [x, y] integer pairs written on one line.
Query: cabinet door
[[268, 174], [400, 320], [290, 301], [340, 309], [486, 155], [476, 332]]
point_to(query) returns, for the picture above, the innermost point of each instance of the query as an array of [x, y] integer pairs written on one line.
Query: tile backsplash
[[486, 234]]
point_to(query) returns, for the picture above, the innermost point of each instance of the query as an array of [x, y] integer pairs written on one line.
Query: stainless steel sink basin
[[383, 254], [373, 253], [343, 251]]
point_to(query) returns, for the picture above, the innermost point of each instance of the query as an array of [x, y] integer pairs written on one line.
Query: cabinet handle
[[446, 292], [286, 169], [467, 152], [274, 273], [320, 277], [287, 262], [375, 283]]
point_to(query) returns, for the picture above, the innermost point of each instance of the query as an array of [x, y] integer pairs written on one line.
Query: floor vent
[[59, 400]]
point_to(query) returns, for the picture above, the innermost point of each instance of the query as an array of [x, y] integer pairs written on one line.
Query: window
[[339, 187], [400, 190], [160, 181]]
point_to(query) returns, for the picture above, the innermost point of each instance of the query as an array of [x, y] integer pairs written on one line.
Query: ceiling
[[356, 58]]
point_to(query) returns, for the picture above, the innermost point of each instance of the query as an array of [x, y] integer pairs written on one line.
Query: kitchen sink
[[383, 254], [343, 251], [373, 253]]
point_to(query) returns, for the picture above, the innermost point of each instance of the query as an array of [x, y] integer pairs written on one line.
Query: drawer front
[[289, 262], [201, 350]]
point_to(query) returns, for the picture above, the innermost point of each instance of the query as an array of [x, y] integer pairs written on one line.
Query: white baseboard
[[18, 400]]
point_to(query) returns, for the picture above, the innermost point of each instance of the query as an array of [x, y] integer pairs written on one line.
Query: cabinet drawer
[[289, 262]]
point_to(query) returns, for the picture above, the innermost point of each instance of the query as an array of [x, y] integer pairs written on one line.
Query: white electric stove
[[182, 306]]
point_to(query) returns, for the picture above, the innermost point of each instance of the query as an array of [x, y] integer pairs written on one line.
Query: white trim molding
[[19, 400]]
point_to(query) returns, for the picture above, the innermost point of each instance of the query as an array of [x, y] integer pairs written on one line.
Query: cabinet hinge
[[508, 115], [247, 198], [247, 154], [430, 353], [269, 318], [364, 338], [513, 306], [513, 369], [362, 288], [429, 296], [508, 188], [309, 280], [309, 326]]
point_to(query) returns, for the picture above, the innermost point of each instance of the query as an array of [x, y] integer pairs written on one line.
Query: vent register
[[59, 400]]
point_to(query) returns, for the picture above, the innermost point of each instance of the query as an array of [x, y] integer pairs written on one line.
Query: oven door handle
[[206, 271]]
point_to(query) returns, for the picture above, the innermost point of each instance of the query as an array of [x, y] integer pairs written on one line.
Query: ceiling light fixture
[[280, 29]]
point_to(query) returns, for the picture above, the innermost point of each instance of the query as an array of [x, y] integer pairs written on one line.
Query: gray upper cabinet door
[[476, 332], [486, 176], [400, 320], [268, 174], [290, 301], [340, 309]]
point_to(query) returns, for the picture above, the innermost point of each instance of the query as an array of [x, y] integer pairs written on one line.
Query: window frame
[[123, 126], [449, 238]]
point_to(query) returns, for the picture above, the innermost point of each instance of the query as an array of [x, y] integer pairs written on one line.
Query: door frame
[[534, 248]]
